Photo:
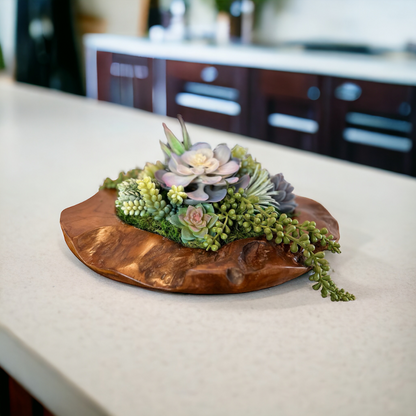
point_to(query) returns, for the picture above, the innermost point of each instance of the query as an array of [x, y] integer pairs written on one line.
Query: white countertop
[[84, 344], [390, 68]]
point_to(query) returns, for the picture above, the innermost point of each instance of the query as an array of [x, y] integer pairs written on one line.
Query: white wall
[[390, 23], [122, 16]]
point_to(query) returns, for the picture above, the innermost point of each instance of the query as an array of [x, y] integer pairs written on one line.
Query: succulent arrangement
[[205, 198]]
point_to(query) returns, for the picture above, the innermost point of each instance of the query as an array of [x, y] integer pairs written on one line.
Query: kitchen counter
[[388, 68], [85, 345]]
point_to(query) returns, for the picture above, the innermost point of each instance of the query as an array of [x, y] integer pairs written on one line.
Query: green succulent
[[248, 164], [154, 203], [262, 187], [150, 169], [129, 198], [242, 216], [174, 145], [194, 221], [176, 195]]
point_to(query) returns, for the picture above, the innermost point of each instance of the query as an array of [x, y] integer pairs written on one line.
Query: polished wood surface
[[124, 253]]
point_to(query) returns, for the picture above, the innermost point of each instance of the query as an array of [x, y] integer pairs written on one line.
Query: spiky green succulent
[[262, 187]]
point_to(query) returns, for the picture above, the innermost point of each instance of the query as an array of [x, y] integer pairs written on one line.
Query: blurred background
[[335, 77]]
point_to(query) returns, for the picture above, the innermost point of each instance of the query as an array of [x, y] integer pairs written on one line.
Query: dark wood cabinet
[[286, 108], [373, 124], [125, 80], [211, 95], [361, 121]]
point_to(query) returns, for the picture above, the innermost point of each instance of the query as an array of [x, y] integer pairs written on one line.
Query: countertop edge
[[44, 382]]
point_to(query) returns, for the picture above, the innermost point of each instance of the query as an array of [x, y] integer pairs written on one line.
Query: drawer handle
[[214, 105], [129, 71], [305, 125], [348, 92], [385, 141], [209, 74]]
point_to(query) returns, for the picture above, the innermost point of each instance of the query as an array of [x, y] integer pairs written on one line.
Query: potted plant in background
[[235, 20]]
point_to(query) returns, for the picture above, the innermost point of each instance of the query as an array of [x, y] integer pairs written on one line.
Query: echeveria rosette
[[207, 171], [284, 194], [194, 221]]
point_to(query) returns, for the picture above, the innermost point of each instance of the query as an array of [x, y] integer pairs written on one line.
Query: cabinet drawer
[[210, 95], [206, 73], [373, 124], [289, 85], [286, 109], [373, 96], [125, 80]]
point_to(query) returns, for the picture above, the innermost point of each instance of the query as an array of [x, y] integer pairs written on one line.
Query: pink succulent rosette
[[194, 221]]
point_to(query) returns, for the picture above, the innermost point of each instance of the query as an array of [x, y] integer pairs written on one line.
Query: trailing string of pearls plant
[[204, 199]]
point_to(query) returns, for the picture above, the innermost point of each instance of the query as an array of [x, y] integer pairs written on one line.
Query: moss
[[162, 227]]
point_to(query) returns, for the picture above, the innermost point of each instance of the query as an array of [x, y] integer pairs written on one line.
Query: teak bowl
[[124, 253]]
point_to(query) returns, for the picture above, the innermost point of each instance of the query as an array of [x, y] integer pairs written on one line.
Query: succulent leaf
[[176, 146], [186, 139], [166, 150]]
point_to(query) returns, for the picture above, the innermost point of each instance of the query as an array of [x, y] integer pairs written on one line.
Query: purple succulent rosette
[[285, 196], [204, 170]]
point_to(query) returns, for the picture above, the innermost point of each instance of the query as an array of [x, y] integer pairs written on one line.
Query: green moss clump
[[147, 223]]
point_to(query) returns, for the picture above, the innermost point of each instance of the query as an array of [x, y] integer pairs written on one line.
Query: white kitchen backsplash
[[390, 23]]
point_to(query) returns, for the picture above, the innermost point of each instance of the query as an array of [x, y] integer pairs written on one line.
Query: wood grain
[[124, 253]]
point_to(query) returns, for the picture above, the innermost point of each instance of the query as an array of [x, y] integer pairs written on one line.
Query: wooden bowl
[[124, 253]]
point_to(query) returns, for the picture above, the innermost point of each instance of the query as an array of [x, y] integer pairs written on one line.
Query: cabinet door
[[373, 124], [209, 95], [286, 109], [125, 80]]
